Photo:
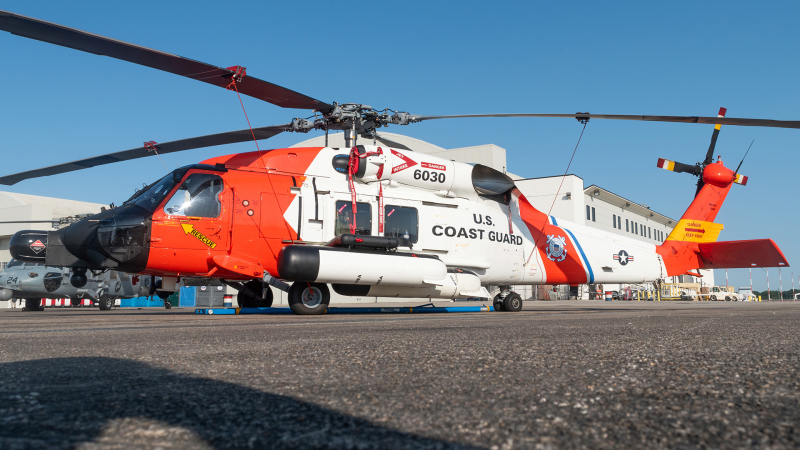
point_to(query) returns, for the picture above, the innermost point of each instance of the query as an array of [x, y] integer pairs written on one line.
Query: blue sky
[[677, 58]]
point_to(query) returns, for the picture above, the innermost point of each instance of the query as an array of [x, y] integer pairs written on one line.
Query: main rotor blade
[[92, 43], [229, 137], [390, 143], [681, 119]]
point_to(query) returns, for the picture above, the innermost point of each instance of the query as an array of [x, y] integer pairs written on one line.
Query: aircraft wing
[[741, 254]]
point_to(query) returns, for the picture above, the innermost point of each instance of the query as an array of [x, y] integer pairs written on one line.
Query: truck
[[719, 293]]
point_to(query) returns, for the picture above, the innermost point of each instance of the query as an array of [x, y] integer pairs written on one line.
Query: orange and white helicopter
[[378, 220]]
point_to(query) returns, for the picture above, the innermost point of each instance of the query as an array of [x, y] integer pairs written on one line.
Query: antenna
[[743, 157]]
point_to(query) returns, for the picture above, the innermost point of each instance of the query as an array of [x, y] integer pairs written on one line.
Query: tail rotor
[[697, 169]]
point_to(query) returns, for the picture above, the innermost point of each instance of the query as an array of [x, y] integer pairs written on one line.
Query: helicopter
[[373, 219], [34, 281]]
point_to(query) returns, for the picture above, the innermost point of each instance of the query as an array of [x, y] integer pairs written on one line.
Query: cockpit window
[[198, 196], [150, 198], [14, 263]]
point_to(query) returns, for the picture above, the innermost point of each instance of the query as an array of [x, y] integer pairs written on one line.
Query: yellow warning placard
[[696, 231], [189, 229]]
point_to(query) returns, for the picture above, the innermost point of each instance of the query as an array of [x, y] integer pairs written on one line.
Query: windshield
[[152, 195], [14, 263]]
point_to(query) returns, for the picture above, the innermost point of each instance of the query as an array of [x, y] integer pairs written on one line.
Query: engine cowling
[[447, 178]]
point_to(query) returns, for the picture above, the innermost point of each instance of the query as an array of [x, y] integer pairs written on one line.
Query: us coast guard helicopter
[[376, 219]]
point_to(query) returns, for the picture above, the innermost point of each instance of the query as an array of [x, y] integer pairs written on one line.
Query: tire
[[727, 299], [75, 301], [246, 299], [512, 302], [106, 303], [167, 304], [713, 298], [33, 304], [498, 303], [309, 298]]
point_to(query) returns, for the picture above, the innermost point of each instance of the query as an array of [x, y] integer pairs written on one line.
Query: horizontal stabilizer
[[741, 254]]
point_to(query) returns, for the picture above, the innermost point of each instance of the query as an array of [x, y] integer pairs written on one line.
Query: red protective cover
[[741, 254]]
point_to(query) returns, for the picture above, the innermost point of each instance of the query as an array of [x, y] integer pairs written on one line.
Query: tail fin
[[697, 223], [693, 242]]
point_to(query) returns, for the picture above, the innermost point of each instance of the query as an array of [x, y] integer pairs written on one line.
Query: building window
[[615, 220], [593, 216], [635, 228], [344, 212], [588, 217], [401, 222], [649, 232], [626, 225]]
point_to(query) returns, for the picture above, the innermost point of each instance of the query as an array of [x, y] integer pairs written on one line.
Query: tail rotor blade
[[677, 167]]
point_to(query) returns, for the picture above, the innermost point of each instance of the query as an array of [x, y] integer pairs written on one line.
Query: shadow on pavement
[[98, 402]]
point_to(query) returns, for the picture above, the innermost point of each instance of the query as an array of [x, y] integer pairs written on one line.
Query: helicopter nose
[[115, 239]]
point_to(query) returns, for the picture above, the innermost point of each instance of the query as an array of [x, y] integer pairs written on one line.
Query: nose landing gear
[[255, 294]]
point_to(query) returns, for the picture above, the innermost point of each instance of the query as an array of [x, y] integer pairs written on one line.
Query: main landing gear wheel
[[309, 298], [255, 295], [75, 301], [498, 303], [106, 303], [512, 302], [33, 304]]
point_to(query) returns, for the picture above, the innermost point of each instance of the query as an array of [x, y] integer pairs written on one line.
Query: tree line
[[776, 294]]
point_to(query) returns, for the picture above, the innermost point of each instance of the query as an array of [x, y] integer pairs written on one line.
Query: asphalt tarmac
[[580, 374]]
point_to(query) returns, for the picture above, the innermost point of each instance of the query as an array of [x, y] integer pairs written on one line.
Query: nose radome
[[115, 239]]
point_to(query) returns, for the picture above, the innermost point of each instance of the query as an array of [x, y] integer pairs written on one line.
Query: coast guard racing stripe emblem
[[556, 248]]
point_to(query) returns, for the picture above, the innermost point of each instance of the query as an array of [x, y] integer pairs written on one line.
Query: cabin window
[[344, 214], [198, 196], [401, 221]]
